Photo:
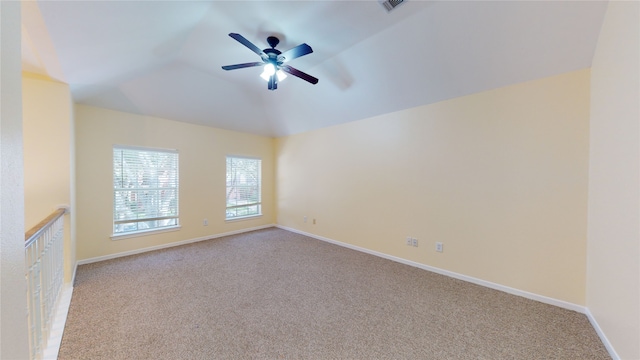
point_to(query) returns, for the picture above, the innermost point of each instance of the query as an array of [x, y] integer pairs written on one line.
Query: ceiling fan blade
[[240, 66], [296, 52], [241, 39], [300, 74]]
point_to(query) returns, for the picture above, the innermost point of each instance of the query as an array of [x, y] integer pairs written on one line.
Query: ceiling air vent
[[391, 4]]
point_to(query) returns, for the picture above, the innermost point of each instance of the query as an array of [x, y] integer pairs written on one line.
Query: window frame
[[259, 190], [141, 232]]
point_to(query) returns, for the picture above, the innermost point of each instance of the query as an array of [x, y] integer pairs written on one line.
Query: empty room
[[320, 179]]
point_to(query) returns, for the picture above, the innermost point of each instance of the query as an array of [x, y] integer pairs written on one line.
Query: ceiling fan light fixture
[[269, 70], [281, 75]]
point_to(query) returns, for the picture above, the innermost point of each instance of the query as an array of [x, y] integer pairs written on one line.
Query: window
[[243, 187], [145, 189]]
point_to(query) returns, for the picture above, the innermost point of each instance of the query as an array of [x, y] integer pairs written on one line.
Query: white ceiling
[[164, 58]]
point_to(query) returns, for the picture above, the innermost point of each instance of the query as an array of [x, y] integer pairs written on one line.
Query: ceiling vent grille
[[391, 4]]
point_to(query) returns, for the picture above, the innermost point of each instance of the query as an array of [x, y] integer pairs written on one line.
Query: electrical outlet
[[205, 222], [439, 247], [414, 242], [409, 241], [305, 219]]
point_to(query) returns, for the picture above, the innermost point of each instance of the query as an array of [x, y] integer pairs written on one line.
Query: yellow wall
[[613, 275], [48, 154], [202, 158], [47, 128], [499, 177]]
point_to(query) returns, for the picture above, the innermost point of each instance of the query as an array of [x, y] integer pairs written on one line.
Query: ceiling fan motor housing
[[273, 41], [273, 54]]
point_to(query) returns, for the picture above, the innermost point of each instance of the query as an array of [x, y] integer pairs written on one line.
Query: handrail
[[37, 230]]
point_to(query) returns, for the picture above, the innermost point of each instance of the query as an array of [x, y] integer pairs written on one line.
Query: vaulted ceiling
[[164, 58]]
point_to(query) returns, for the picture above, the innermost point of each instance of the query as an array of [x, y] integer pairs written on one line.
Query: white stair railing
[[44, 261]]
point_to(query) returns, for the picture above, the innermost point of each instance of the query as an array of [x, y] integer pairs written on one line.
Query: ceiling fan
[[274, 61]]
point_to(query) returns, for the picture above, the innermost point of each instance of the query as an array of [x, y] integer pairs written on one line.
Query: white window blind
[[243, 187], [145, 189]]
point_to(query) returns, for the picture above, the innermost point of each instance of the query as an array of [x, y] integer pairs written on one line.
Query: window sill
[[145, 232], [241, 218]]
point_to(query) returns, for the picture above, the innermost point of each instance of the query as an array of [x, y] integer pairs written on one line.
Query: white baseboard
[[603, 337], [60, 319], [164, 246], [491, 285]]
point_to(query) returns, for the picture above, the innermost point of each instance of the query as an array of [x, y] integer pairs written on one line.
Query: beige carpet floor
[[273, 294]]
